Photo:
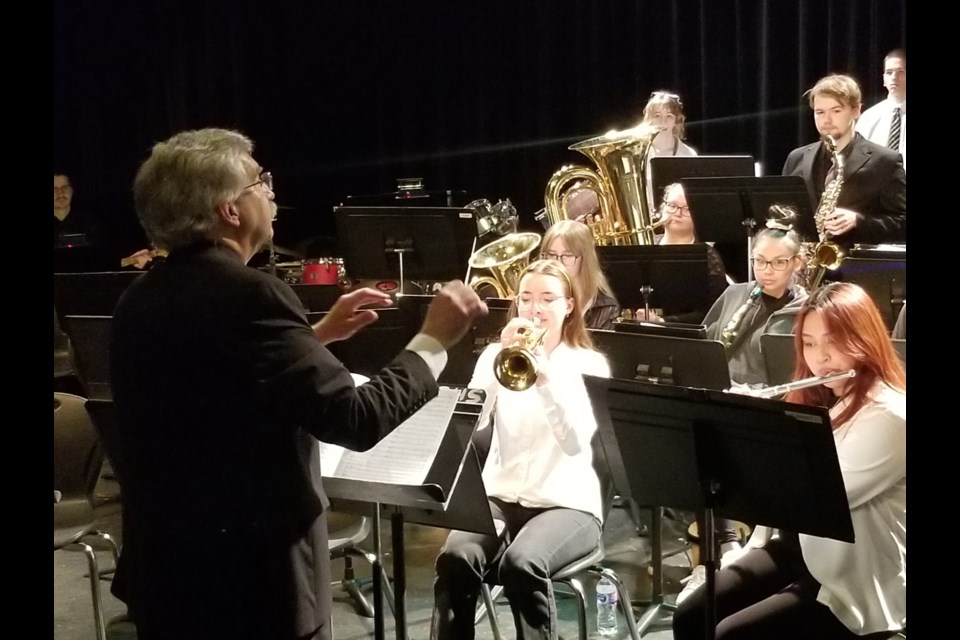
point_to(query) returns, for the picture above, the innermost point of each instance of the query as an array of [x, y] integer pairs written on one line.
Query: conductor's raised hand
[[346, 317], [452, 313]]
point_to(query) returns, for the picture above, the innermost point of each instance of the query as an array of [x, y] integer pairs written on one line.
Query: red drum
[[323, 271]]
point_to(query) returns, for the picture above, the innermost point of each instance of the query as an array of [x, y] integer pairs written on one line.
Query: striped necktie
[[894, 141]]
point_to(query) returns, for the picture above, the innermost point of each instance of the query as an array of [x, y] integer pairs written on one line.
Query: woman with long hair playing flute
[[799, 586]]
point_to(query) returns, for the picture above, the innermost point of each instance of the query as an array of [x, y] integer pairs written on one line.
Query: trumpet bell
[[516, 367]]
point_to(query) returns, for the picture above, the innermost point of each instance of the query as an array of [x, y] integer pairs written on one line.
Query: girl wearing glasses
[[767, 304], [544, 493], [664, 109], [570, 242], [802, 586]]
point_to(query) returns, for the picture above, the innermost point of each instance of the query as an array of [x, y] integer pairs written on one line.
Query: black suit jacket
[[222, 390], [874, 185]]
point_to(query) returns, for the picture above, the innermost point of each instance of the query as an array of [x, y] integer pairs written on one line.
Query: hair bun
[[774, 224]]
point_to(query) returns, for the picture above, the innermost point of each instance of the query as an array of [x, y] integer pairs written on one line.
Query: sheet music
[[403, 457]]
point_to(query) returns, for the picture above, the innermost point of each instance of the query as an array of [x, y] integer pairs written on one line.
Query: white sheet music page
[[403, 457]]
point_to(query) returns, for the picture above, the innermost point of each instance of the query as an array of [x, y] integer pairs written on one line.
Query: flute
[[780, 389]]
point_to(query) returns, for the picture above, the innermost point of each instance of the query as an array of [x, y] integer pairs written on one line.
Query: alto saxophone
[[826, 254], [729, 334]]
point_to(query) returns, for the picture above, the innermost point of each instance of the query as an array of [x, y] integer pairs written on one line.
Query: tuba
[[615, 199], [503, 260]]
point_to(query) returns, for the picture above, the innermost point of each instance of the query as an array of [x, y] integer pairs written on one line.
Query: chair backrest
[[90, 339], [77, 456]]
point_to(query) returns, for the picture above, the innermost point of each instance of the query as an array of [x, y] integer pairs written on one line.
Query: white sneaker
[[693, 582]]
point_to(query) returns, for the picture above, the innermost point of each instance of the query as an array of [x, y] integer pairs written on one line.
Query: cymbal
[[277, 249]]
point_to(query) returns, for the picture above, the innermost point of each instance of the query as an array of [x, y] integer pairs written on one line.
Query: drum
[[323, 271]]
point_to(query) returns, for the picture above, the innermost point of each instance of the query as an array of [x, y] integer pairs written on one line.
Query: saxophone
[[729, 334], [825, 254]]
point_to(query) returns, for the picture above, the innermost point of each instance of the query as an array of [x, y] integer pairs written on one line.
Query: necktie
[[894, 141]]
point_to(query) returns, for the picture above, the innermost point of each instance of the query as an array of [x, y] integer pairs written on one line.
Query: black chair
[[77, 458], [571, 577], [90, 342]]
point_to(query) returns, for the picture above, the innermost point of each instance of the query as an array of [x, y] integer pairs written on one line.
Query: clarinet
[[729, 333]]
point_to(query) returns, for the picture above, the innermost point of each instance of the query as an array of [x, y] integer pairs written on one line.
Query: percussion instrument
[[323, 271]]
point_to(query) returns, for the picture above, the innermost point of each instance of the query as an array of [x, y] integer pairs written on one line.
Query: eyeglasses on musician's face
[[778, 264], [566, 259]]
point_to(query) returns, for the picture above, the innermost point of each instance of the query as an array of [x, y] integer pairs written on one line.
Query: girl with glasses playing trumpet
[[543, 491], [800, 586]]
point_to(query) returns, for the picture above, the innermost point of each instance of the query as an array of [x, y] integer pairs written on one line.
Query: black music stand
[[406, 243], [671, 277], [667, 170], [738, 457], [882, 272], [452, 496], [665, 360], [729, 210]]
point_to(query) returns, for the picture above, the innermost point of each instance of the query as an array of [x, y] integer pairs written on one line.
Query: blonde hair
[[578, 238], [673, 104], [841, 88]]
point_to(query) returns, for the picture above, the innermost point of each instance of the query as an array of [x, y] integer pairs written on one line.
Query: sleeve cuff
[[432, 352]]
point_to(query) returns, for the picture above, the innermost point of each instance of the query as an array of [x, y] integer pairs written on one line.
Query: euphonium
[[503, 260], [826, 254], [620, 183], [516, 367]]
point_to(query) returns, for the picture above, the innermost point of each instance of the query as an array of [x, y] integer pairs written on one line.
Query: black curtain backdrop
[[482, 96]]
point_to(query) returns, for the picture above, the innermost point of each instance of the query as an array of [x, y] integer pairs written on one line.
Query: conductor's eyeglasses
[[778, 264], [266, 179], [566, 259]]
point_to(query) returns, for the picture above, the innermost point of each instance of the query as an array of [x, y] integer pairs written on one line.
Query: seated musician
[[746, 310], [543, 491], [571, 243], [801, 586], [678, 229]]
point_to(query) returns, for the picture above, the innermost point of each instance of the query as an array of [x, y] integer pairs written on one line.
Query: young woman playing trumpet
[[543, 491], [800, 586]]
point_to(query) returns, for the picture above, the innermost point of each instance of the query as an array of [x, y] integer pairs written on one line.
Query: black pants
[[532, 546], [768, 593]]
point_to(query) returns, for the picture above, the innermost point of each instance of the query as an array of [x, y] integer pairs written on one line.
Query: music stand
[[452, 496], [671, 277], [683, 362], [727, 210], [406, 243], [882, 272], [738, 457], [667, 170]]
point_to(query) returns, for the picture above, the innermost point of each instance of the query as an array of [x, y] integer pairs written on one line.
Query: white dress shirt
[[874, 125], [540, 455]]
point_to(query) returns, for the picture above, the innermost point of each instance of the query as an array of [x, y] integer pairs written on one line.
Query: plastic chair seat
[[72, 521]]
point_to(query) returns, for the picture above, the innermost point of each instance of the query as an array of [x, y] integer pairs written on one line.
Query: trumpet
[[516, 367], [780, 389]]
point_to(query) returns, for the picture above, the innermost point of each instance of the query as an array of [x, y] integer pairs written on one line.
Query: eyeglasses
[[778, 264], [672, 208], [266, 179], [525, 302], [567, 259]]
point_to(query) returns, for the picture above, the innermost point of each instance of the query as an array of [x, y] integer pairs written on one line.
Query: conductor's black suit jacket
[[874, 185], [222, 390]]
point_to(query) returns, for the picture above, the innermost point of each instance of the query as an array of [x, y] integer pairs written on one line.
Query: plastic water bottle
[[606, 607]]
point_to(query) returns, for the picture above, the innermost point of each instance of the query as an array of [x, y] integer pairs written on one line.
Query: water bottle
[[606, 607]]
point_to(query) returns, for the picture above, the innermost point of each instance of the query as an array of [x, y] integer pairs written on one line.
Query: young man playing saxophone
[[872, 205]]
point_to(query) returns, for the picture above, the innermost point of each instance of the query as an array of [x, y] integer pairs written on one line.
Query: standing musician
[[571, 243], [801, 586], [872, 205], [543, 491], [222, 389], [664, 109]]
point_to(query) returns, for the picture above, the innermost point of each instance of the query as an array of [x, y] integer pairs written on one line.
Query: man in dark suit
[[222, 389], [872, 203]]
